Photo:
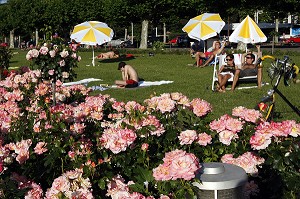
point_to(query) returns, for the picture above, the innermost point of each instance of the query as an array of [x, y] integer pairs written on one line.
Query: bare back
[[130, 73]]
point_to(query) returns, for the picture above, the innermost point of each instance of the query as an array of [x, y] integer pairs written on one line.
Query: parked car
[[292, 40], [173, 41], [127, 44], [117, 43], [181, 41], [152, 39]]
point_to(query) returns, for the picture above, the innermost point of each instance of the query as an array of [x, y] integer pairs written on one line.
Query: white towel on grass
[[83, 81], [141, 84]]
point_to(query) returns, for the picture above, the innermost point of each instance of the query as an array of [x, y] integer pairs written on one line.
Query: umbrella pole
[[93, 62]]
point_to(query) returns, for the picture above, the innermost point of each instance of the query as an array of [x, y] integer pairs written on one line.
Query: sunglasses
[[248, 57], [228, 59]]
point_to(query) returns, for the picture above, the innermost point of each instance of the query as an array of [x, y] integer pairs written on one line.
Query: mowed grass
[[191, 81]]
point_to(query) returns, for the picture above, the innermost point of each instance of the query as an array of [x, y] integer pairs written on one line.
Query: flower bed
[[96, 147]]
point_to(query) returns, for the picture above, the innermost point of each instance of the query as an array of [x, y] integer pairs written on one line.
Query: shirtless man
[[129, 76], [108, 55], [249, 68], [209, 56]]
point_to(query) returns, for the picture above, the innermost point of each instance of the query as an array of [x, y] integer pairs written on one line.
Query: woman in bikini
[[226, 72]]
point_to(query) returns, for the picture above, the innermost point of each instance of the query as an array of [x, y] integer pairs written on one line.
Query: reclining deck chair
[[221, 60], [202, 59]]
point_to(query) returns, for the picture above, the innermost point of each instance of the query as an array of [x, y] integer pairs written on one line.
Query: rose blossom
[[32, 54], [44, 50], [260, 141], [226, 136], [64, 53], [177, 164], [200, 107], [187, 137], [145, 146], [51, 72], [204, 139], [65, 75], [40, 148], [52, 53], [62, 63], [166, 105]]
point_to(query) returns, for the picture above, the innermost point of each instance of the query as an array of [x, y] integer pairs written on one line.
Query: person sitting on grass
[[248, 68], [217, 48], [108, 55], [226, 72], [130, 77]]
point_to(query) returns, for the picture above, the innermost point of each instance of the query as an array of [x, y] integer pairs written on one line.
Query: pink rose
[[204, 139], [187, 137], [52, 53], [44, 50], [51, 72], [62, 63], [226, 136], [64, 53], [40, 148], [259, 141], [145, 146]]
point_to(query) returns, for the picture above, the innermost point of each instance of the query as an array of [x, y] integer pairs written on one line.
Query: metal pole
[[165, 33], [131, 32], [216, 194]]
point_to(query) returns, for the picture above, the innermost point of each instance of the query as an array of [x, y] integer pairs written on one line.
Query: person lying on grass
[[108, 55]]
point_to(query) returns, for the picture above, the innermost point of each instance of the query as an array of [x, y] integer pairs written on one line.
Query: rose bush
[[55, 61], [97, 147]]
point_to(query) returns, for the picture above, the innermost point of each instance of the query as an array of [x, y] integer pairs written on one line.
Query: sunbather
[[130, 77], [196, 49], [108, 55], [226, 72], [248, 68], [217, 48]]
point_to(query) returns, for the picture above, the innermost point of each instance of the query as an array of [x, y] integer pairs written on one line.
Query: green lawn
[[192, 82]]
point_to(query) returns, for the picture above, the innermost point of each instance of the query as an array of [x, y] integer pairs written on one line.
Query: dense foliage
[[5, 56], [25, 16]]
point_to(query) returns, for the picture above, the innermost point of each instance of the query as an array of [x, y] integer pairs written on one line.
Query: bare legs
[[222, 79], [120, 83], [259, 76], [198, 56], [235, 78]]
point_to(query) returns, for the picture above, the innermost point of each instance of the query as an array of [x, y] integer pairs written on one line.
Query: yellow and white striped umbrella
[[92, 33], [204, 26], [247, 32]]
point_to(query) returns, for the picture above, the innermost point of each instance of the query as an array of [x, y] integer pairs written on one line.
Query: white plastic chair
[[221, 60]]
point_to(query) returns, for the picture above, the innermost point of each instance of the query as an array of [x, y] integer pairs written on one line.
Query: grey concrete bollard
[[220, 181]]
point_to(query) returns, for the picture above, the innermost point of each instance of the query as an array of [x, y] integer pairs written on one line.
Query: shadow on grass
[[121, 58]]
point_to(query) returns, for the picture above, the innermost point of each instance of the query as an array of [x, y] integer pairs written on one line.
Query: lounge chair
[[221, 60]]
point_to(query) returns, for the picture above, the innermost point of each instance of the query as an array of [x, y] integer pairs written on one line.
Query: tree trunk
[[36, 37], [11, 38], [144, 34]]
